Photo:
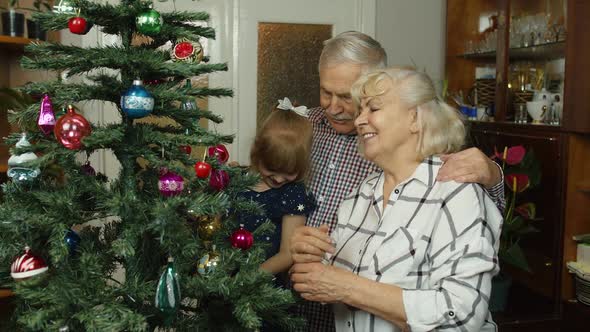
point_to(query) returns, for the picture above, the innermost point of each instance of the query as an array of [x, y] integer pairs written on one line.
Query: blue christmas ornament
[[72, 240], [137, 102]]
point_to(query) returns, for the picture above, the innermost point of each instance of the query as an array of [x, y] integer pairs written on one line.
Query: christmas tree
[[169, 223]]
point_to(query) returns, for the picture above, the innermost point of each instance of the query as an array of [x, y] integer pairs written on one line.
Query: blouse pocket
[[401, 257]]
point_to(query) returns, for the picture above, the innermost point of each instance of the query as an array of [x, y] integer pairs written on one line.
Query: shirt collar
[[425, 173]]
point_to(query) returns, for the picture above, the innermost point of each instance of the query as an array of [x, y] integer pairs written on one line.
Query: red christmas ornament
[[202, 169], [219, 179], [242, 239], [220, 152], [188, 51], [186, 149], [78, 25], [154, 81], [71, 128], [183, 50], [27, 265]]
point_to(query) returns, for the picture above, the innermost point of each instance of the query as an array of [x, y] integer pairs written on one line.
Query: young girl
[[280, 155]]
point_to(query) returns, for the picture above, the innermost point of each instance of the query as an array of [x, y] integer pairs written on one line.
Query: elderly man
[[338, 168]]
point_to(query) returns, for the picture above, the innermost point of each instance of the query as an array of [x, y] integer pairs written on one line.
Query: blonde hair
[[355, 48], [283, 144], [441, 127]]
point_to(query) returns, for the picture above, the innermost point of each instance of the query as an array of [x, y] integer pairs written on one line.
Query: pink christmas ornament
[[71, 128], [219, 179], [170, 184], [46, 121], [27, 265], [242, 238], [220, 152]]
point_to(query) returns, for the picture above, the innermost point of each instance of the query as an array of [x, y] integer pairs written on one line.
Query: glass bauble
[[137, 102]]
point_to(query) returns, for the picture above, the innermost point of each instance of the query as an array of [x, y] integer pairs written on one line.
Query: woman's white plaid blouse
[[438, 241], [337, 170]]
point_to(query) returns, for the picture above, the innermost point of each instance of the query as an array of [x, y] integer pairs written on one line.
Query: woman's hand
[[309, 244], [470, 165], [328, 284], [319, 282]]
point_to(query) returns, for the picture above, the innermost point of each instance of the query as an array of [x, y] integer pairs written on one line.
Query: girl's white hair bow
[[286, 105]]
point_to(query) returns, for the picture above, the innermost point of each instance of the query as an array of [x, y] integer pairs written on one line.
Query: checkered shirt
[[438, 241], [338, 169]]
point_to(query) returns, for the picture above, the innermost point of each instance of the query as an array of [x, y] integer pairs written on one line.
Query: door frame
[[234, 110]]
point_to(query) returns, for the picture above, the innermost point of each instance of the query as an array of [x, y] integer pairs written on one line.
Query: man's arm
[[472, 165]]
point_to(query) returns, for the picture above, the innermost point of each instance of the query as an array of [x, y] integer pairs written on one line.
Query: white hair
[[441, 127], [355, 48]]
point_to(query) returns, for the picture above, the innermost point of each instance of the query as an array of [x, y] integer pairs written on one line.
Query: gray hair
[[442, 129], [353, 47]]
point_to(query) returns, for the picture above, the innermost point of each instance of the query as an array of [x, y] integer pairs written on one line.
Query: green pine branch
[[139, 228], [117, 20], [137, 61]]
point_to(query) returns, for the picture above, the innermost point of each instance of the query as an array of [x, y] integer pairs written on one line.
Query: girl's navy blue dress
[[290, 199]]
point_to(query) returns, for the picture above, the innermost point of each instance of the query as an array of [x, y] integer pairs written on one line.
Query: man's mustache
[[341, 117]]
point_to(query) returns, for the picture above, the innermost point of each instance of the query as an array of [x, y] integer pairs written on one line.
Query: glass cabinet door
[[504, 54], [529, 278], [472, 38], [536, 36]]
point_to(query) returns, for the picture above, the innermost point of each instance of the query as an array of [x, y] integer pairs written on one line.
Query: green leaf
[[527, 230], [514, 256], [11, 99], [513, 225]]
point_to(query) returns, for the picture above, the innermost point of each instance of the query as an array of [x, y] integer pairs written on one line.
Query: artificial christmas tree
[[144, 233]]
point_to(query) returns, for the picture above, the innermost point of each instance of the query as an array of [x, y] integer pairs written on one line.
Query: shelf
[[5, 293], [584, 187], [510, 126], [545, 52], [482, 55], [14, 43]]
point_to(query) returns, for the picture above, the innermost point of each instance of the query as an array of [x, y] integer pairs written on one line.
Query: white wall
[[413, 30]]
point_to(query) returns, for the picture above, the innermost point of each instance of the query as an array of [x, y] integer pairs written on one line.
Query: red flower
[[517, 182], [514, 155], [526, 210]]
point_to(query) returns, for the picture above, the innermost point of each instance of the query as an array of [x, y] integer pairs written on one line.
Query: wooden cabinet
[[534, 295], [483, 39]]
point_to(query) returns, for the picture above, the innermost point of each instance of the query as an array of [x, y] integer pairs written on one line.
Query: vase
[[34, 30], [13, 23], [500, 288]]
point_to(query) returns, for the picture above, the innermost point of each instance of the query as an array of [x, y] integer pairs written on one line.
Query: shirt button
[[451, 313], [396, 191], [332, 166], [360, 251], [349, 323], [321, 198]]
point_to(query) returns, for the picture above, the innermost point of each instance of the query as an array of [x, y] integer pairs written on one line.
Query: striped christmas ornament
[[27, 265]]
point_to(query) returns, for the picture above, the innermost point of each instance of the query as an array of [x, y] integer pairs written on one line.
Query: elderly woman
[[409, 252]]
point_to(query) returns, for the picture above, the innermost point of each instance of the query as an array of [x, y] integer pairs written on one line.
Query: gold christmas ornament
[[205, 226]]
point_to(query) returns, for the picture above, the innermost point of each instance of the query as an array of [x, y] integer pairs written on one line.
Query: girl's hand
[[309, 244]]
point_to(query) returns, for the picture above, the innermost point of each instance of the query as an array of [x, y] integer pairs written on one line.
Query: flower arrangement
[[521, 172]]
